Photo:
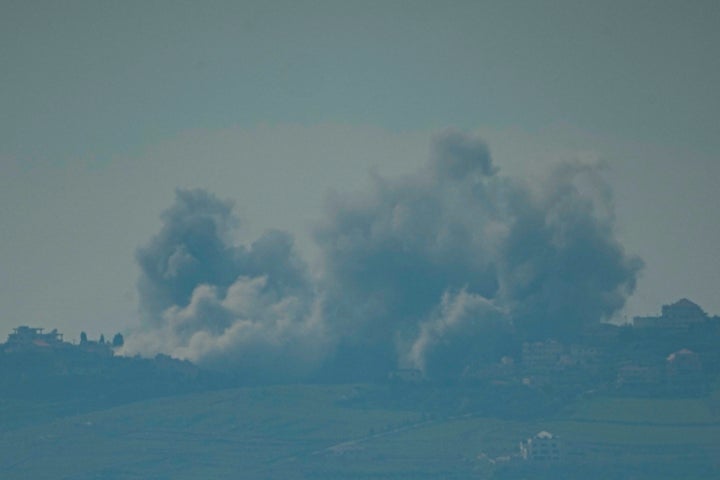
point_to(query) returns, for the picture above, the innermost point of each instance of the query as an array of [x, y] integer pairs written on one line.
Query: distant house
[[544, 447], [30, 338], [96, 348], [684, 371], [680, 315], [683, 361]]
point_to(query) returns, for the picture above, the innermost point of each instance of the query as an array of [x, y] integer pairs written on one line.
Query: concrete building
[[680, 315], [544, 447], [24, 338]]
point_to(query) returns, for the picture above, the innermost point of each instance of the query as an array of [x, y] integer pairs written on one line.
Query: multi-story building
[[24, 337], [680, 315]]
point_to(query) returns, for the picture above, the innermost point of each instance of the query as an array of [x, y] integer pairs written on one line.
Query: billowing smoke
[[436, 270], [210, 300], [466, 330], [438, 267]]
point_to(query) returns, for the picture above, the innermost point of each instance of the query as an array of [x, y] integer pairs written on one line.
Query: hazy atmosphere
[[359, 239], [305, 133]]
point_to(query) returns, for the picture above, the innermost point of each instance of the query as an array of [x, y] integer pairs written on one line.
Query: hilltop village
[[38, 365], [669, 361], [674, 353]]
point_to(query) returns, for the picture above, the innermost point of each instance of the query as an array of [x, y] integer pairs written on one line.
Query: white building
[[543, 447]]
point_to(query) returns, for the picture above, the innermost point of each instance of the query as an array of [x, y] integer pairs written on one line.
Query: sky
[[106, 108]]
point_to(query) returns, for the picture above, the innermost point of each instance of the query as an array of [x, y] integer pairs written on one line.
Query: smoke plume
[[207, 299], [434, 270]]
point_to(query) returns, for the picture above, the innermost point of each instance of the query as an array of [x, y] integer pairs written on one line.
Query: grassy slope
[[305, 432]]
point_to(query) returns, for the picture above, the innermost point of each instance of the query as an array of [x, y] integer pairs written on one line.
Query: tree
[[118, 340], [83, 338], [102, 339]]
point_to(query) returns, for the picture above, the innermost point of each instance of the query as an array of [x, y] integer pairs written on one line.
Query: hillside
[[311, 431]]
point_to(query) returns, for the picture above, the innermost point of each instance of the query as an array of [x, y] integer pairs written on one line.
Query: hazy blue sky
[[107, 107]]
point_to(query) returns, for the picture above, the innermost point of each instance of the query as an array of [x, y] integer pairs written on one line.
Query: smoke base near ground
[[431, 271]]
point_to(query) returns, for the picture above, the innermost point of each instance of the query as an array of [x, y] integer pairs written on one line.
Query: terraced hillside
[[310, 431]]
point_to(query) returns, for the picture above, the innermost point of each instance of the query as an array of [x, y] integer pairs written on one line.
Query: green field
[[308, 431]]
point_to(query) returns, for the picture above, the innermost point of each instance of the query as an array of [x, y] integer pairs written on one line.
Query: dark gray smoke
[[541, 259], [206, 298], [433, 271], [560, 263], [195, 247]]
